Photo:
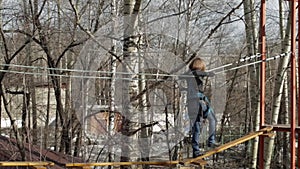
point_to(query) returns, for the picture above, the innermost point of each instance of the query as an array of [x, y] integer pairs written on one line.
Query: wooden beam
[[37, 165], [229, 145]]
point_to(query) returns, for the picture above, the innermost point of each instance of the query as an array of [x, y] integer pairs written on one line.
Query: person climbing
[[198, 104]]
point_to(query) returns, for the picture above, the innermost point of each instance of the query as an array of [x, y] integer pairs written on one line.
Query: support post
[[293, 86], [298, 84], [262, 79]]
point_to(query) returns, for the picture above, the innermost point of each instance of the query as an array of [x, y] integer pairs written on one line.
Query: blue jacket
[[194, 88]]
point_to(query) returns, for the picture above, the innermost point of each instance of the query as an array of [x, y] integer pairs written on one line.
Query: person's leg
[[193, 108], [212, 127], [195, 138]]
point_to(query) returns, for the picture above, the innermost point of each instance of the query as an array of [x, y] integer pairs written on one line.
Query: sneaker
[[197, 155], [213, 145]]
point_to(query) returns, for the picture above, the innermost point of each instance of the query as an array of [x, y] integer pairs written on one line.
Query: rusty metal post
[[262, 79], [298, 157], [293, 86]]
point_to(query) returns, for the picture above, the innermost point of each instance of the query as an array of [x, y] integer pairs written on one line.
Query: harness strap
[[202, 97]]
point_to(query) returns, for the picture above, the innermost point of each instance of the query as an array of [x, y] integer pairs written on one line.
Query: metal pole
[[298, 84], [293, 86], [262, 79]]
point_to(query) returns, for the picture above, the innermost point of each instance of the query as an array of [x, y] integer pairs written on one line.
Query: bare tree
[[44, 40], [281, 75], [131, 12], [56, 29], [113, 68], [252, 75], [9, 56]]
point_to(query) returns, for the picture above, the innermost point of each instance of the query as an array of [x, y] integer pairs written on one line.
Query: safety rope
[[246, 58], [96, 74], [253, 63]]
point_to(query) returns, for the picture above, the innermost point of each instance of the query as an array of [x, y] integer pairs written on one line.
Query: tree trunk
[[131, 10], [56, 81], [25, 112], [15, 130], [65, 141], [34, 112], [113, 69], [48, 116], [1, 48], [278, 90], [144, 142], [30, 81], [252, 83], [285, 142], [8, 58]]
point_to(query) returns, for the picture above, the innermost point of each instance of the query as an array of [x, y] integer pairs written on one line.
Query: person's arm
[[201, 73]]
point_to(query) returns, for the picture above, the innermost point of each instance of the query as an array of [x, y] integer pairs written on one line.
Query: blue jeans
[[196, 131]]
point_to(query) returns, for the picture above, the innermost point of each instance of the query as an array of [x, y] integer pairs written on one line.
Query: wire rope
[[259, 61], [79, 71], [91, 74], [237, 62]]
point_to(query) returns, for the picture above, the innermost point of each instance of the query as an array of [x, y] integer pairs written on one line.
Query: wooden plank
[[86, 167], [39, 167], [229, 144], [24, 163]]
